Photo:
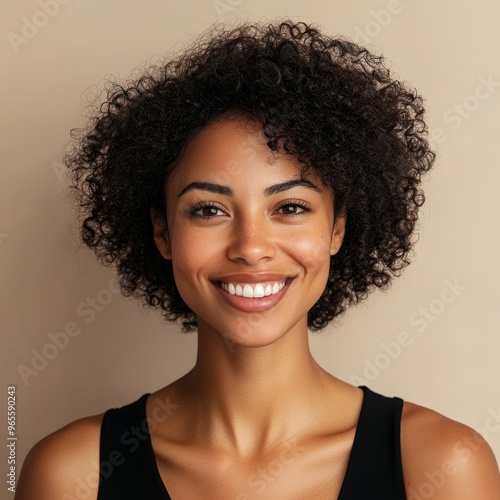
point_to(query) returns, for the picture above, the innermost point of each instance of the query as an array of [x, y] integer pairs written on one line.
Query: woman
[[254, 189]]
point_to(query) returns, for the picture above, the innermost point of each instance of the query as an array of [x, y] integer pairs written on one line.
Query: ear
[[338, 232], [160, 233]]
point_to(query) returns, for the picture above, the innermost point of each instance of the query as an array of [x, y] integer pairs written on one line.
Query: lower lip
[[253, 305]]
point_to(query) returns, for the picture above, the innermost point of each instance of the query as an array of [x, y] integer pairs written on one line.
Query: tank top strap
[[126, 464], [374, 470]]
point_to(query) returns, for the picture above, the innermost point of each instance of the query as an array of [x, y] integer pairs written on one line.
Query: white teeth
[[252, 291]]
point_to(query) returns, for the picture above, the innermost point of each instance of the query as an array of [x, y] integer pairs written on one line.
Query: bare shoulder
[[445, 459], [64, 464]]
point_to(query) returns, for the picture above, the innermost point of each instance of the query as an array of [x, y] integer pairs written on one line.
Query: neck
[[251, 397]]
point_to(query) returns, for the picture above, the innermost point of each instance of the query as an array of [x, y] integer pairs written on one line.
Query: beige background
[[448, 50]]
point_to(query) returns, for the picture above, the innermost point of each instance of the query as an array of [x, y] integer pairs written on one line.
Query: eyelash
[[203, 204], [296, 203]]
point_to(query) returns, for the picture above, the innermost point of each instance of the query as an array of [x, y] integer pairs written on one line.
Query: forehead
[[233, 150]]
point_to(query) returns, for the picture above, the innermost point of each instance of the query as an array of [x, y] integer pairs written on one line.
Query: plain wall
[[446, 301]]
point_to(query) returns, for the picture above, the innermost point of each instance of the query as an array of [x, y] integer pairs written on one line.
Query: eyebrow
[[269, 191]]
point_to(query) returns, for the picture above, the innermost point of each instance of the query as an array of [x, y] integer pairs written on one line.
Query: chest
[[293, 471]]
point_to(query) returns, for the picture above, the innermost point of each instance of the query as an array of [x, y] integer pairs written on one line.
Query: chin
[[255, 341], [257, 331]]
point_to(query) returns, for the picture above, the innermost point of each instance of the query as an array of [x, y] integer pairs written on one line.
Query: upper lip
[[252, 278]]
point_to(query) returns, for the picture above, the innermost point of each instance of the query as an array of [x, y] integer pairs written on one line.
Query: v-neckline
[[163, 488]]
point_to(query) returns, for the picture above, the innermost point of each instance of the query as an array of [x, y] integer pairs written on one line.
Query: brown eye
[[293, 209], [205, 211], [208, 211], [290, 209]]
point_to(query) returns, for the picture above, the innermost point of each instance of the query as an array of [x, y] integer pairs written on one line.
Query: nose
[[251, 240]]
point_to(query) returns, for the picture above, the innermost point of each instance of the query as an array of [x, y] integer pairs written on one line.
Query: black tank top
[[128, 469]]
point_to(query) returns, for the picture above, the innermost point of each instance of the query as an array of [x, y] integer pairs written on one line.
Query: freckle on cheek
[[315, 252]]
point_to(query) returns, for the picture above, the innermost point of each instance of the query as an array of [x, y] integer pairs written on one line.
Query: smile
[[253, 290]]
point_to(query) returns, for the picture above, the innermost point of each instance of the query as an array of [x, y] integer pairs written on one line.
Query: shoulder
[[64, 464], [445, 459]]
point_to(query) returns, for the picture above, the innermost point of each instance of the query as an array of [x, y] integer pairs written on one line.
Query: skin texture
[[255, 387]]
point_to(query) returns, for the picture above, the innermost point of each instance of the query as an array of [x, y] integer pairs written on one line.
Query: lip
[[247, 304]]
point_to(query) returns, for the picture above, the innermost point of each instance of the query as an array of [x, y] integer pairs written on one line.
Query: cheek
[[184, 265], [192, 253], [312, 249]]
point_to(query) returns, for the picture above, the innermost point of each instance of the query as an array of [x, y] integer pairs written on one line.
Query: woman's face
[[250, 242]]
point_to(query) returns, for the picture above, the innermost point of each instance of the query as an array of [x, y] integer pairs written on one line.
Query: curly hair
[[329, 102]]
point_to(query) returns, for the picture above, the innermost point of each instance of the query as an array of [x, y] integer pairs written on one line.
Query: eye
[[294, 208], [205, 210]]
